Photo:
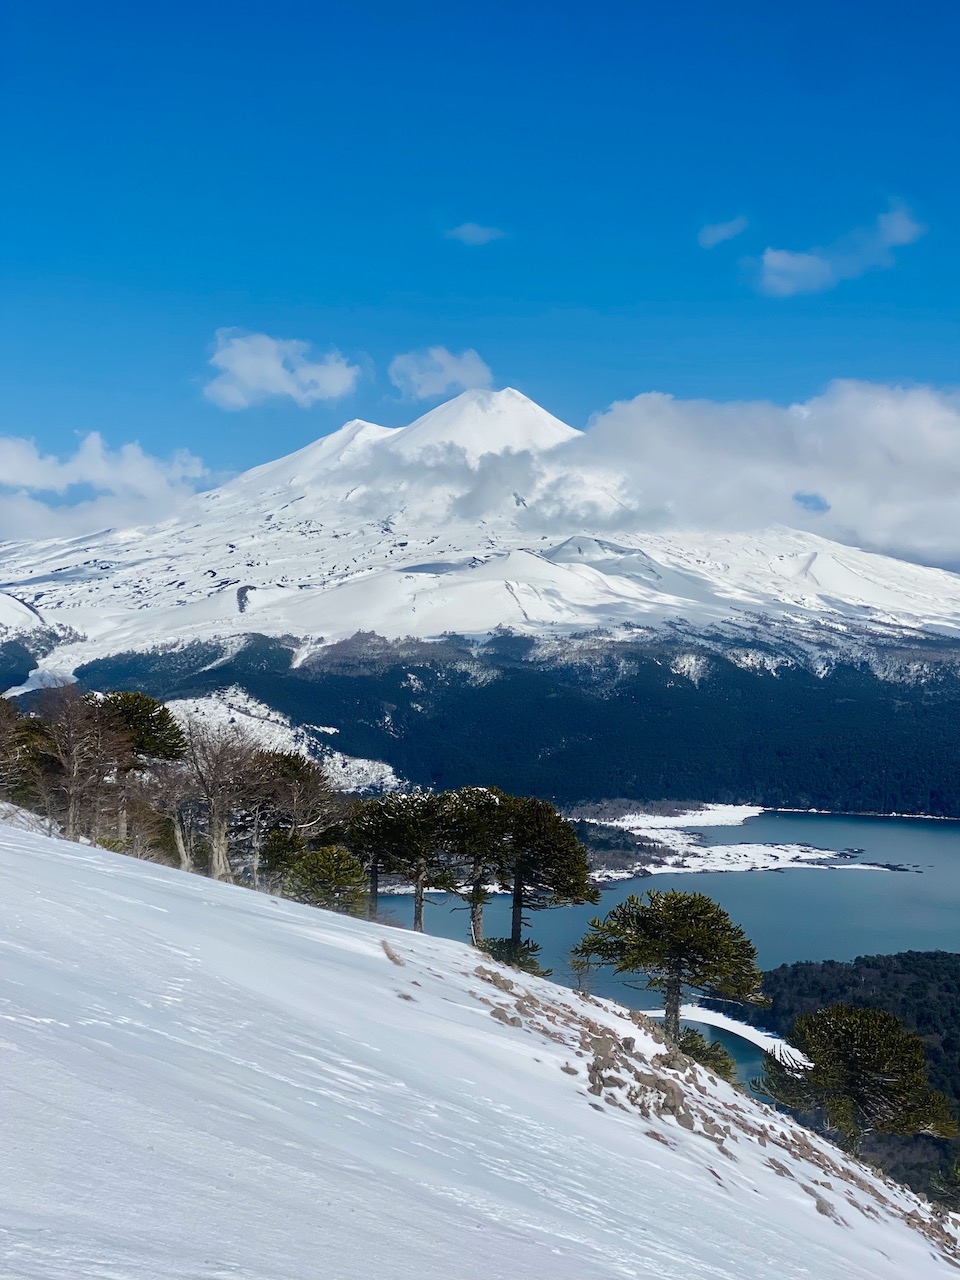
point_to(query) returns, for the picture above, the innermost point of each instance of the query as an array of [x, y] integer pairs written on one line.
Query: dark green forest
[[922, 988], [622, 723]]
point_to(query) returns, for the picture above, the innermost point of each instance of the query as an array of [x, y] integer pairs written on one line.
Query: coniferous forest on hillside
[[623, 723]]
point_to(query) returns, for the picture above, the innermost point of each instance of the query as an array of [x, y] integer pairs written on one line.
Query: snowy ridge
[[273, 731], [279, 1085], [483, 513]]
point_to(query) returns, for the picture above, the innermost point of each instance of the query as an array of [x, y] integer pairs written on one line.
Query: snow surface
[[274, 731], [14, 615], [12, 815], [203, 1083], [482, 513]]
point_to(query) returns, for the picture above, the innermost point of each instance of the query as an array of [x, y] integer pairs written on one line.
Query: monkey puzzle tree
[[709, 1053], [544, 863], [289, 799], [151, 733], [152, 729], [862, 1071], [476, 826], [678, 940], [402, 833], [329, 877]]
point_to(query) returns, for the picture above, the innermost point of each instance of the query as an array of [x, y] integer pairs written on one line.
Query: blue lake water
[[796, 914]]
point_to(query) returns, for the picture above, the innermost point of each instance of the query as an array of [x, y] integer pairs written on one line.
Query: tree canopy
[[152, 730], [677, 940], [863, 1071], [543, 863], [329, 877]]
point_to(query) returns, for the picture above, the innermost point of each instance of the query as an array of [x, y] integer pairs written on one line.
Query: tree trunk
[[183, 849], [373, 907], [418, 888], [122, 815], [219, 864], [255, 841], [671, 1008], [70, 826], [516, 918], [477, 898]]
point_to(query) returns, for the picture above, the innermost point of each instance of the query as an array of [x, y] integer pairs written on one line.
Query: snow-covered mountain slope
[[484, 512], [201, 1082], [273, 731]]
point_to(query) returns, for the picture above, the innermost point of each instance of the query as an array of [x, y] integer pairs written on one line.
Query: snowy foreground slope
[[486, 512], [201, 1083]]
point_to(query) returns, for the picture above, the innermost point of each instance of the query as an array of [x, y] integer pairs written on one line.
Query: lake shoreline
[[867, 813], [675, 843]]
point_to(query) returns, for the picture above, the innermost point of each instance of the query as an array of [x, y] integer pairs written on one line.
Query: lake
[[796, 914]]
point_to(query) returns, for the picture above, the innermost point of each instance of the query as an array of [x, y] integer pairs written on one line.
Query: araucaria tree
[[544, 864], [476, 824], [403, 834], [677, 940], [151, 734], [862, 1071], [329, 877], [290, 802]]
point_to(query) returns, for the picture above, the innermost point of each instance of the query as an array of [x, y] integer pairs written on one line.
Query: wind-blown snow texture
[[202, 1083], [485, 512]]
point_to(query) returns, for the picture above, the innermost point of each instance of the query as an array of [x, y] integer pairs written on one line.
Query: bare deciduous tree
[[9, 746], [84, 745], [221, 762], [172, 789]]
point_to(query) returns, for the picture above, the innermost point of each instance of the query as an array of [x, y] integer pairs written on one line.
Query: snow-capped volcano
[[486, 512], [480, 422]]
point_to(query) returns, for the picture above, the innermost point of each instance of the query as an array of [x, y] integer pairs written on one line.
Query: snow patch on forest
[[274, 731]]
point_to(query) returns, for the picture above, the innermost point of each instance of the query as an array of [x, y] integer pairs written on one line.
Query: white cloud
[[93, 488], [715, 233], [784, 272], [423, 375], [473, 233], [867, 464], [255, 367], [864, 463]]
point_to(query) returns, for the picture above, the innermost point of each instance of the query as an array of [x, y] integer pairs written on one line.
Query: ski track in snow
[[203, 1083]]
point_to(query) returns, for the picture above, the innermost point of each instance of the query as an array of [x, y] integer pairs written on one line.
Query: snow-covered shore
[[688, 853], [765, 1040]]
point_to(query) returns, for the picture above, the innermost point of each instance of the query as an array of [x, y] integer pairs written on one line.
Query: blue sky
[[294, 170]]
